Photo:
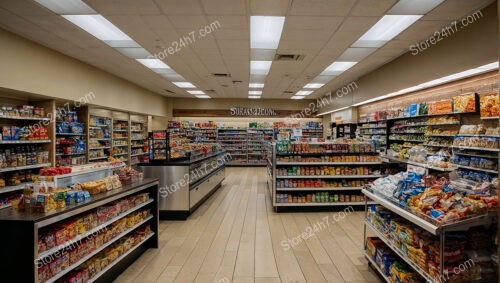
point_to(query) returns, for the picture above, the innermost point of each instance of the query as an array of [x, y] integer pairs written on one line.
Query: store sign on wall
[[244, 111]]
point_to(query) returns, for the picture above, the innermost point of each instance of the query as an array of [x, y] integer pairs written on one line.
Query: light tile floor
[[235, 236]]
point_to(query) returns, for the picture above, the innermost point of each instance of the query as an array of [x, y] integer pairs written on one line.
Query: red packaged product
[[60, 235], [55, 266]]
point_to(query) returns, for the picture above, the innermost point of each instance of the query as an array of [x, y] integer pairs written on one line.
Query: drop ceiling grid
[[321, 30]]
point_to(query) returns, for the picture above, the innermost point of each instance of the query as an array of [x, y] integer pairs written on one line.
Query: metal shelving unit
[[273, 164], [437, 229]]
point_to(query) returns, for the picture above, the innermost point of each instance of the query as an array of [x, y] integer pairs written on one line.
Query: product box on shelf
[[465, 103], [489, 105]]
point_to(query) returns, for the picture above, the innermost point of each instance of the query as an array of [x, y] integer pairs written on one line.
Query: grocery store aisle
[[235, 236]]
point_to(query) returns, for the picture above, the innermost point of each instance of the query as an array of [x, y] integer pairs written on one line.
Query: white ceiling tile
[[124, 7], [224, 7], [188, 21], [269, 8], [353, 28], [157, 22], [225, 43], [230, 21], [26, 8], [321, 7], [313, 36], [312, 23], [232, 34], [456, 9], [176, 7], [372, 7]]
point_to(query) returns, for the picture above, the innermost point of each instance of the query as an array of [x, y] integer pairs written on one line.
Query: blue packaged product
[[86, 196], [79, 196], [406, 112], [71, 198], [435, 214], [413, 110]]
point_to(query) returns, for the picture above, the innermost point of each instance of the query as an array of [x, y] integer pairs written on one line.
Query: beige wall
[[29, 67], [472, 46], [279, 104]]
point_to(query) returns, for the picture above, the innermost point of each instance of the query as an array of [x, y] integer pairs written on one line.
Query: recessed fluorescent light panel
[[265, 31], [303, 92], [254, 96], [337, 68], [385, 29], [153, 64], [134, 52], [195, 92], [313, 85], [356, 54], [412, 7], [67, 7], [184, 84], [256, 85], [255, 92], [297, 97], [260, 67], [102, 29], [202, 96]]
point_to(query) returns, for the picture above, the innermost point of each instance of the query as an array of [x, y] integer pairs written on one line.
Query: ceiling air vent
[[288, 92], [289, 57], [168, 91], [221, 75]]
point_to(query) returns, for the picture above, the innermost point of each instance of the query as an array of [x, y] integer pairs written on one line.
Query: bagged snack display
[[489, 106], [464, 103]]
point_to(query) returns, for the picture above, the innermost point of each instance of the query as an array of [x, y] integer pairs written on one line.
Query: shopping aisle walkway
[[235, 236]]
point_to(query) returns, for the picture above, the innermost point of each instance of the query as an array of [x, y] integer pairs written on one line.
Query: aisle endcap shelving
[[434, 229], [417, 268], [327, 163], [327, 176], [36, 166], [25, 142], [321, 203], [320, 189], [373, 264]]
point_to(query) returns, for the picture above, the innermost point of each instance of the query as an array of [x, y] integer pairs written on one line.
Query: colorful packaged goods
[[464, 103], [489, 106], [440, 107]]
